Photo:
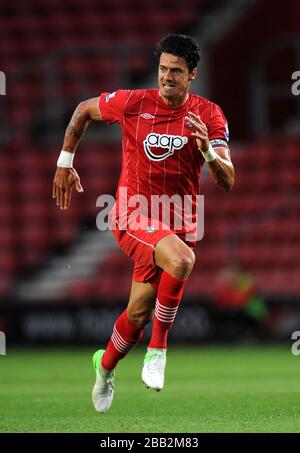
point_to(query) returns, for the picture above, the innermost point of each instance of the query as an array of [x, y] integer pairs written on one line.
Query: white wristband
[[210, 154], [65, 159]]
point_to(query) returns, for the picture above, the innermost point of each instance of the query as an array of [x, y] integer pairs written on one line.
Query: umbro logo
[[147, 116], [110, 95]]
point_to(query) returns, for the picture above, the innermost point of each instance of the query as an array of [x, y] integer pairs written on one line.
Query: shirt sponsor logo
[[147, 116], [170, 143], [109, 96]]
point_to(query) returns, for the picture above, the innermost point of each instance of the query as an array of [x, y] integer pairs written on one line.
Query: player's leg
[[128, 330], [172, 255], [177, 260], [141, 303]]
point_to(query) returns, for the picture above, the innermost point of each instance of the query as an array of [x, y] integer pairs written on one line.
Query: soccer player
[[168, 134]]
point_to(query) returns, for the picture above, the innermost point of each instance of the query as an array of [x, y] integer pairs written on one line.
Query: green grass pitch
[[208, 389]]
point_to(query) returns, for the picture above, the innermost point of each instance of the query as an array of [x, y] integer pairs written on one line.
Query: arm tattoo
[[75, 130]]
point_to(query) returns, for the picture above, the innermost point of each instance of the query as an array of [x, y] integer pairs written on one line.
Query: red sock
[[125, 335], [169, 294]]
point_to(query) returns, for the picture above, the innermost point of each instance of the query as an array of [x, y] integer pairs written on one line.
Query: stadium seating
[[65, 43], [235, 226], [255, 225]]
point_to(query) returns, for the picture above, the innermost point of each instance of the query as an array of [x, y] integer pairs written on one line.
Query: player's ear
[[193, 74]]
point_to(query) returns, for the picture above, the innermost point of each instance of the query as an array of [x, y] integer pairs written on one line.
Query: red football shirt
[[159, 154]]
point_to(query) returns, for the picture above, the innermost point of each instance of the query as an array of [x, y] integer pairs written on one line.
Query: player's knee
[[181, 264], [139, 317]]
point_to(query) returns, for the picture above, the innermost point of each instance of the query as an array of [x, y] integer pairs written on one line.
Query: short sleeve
[[112, 105], [217, 125]]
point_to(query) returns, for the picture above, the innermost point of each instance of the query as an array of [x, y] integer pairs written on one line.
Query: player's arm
[[66, 176], [218, 159], [221, 168]]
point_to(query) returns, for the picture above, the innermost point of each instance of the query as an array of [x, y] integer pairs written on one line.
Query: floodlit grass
[[208, 389]]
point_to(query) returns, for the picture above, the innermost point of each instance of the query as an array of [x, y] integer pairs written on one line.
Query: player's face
[[174, 78]]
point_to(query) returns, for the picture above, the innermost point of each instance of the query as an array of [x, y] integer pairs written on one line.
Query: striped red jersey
[[159, 154]]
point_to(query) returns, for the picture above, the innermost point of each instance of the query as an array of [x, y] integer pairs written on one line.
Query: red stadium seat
[[258, 222], [8, 262], [6, 283]]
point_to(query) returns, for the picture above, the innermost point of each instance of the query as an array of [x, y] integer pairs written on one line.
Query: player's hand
[[200, 131], [64, 180]]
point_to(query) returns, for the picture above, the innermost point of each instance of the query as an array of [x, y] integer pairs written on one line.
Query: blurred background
[[62, 280]]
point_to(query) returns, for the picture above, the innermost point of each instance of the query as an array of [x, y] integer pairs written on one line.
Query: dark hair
[[182, 46]]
